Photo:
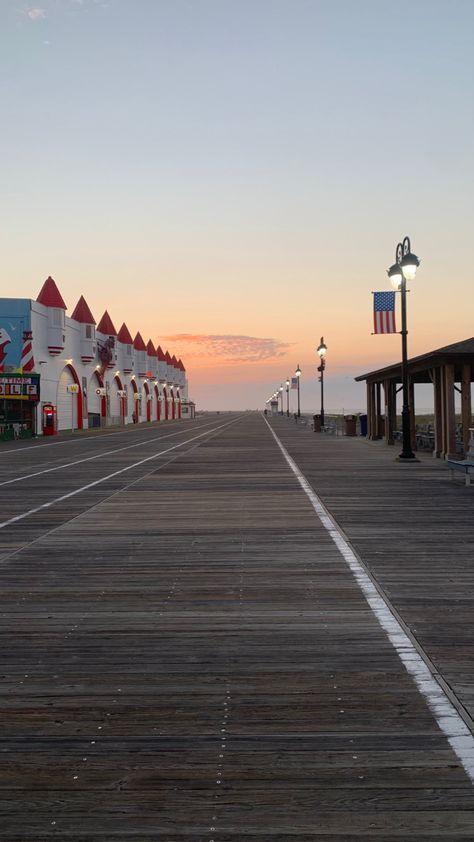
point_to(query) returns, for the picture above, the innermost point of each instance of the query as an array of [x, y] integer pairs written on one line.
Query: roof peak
[[50, 296], [138, 343], [82, 313], [124, 335], [106, 325]]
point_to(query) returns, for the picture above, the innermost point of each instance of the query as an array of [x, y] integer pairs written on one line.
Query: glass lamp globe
[[409, 264], [395, 275]]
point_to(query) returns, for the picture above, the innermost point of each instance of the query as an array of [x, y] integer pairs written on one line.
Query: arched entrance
[[173, 405], [158, 404], [96, 401], [147, 401], [136, 402], [178, 399], [69, 400], [165, 395]]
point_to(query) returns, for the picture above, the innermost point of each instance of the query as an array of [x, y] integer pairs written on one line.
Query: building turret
[[152, 360], [87, 341], [125, 352], [162, 368], [51, 298], [139, 348], [169, 368], [107, 343]]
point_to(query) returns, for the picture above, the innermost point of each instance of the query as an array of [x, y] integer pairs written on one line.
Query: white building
[[93, 374]]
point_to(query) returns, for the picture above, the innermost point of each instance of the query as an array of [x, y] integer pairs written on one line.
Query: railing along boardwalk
[[189, 658]]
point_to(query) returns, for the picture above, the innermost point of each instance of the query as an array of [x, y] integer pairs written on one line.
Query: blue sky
[[224, 167]]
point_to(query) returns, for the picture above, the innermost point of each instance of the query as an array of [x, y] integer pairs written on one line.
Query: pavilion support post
[[378, 412], [389, 419], [373, 413], [450, 451], [438, 412], [369, 410], [411, 403], [466, 409]]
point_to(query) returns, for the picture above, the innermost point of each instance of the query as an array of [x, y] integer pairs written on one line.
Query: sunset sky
[[231, 177]]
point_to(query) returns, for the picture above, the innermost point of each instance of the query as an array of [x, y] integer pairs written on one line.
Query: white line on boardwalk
[[110, 476], [451, 724], [141, 443]]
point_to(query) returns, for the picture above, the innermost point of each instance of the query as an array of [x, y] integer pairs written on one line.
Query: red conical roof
[[160, 354], [181, 365], [50, 296], [106, 325], [124, 335], [167, 358], [150, 349], [138, 343], [174, 361], [82, 313]]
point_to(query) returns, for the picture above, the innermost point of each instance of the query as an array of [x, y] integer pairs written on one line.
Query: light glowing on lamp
[[395, 275], [409, 264]]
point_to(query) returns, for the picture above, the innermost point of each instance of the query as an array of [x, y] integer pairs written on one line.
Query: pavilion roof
[[457, 352]]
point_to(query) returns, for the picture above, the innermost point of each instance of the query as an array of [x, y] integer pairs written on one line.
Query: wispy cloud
[[228, 348], [36, 13]]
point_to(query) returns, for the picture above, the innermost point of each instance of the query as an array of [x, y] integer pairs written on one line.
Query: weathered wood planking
[[415, 531], [194, 647]]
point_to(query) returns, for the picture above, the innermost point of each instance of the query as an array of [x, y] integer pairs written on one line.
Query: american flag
[[294, 382], [384, 312]]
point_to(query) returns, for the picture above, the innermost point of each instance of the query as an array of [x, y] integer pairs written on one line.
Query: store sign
[[20, 387], [73, 387]]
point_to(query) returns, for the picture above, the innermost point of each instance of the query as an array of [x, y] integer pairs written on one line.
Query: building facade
[[90, 374]]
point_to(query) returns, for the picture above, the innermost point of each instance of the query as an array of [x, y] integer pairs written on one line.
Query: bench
[[464, 466]]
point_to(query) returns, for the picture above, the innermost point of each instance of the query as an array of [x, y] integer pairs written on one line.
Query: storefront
[[19, 397]]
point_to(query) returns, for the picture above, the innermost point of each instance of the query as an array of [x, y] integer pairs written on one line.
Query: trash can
[[350, 425], [363, 425], [317, 423]]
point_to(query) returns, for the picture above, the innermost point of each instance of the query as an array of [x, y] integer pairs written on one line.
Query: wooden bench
[[464, 466]]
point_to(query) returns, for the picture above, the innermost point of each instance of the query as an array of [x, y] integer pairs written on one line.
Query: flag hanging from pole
[[384, 312], [294, 382]]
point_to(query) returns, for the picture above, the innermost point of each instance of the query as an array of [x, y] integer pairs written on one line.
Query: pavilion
[[449, 369]]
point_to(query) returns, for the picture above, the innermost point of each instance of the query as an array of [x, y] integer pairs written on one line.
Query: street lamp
[[403, 270], [287, 397], [298, 375], [280, 390], [321, 350]]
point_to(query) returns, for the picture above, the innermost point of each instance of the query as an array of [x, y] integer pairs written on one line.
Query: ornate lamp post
[[321, 350], [280, 394], [298, 375], [287, 397], [403, 270]]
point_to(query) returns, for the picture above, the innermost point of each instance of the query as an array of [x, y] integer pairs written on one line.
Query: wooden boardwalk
[[186, 655]]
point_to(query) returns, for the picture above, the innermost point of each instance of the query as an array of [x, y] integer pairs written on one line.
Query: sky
[[231, 177]]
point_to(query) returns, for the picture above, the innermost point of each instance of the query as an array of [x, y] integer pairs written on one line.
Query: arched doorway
[[147, 401], [173, 405], [158, 403], [136, 402], [96, 401], [165, 395], [178, 403], [69, 400]]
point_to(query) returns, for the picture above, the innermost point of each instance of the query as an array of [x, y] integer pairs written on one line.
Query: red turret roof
[[167, 358], [138, 343], [160, 354], [174, 361], [181, 365], [82, 313], [150, 349], [50, 296], [106, 325], [124, 335]]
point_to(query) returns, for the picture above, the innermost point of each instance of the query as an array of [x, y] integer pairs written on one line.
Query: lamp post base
[[408, 460]]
